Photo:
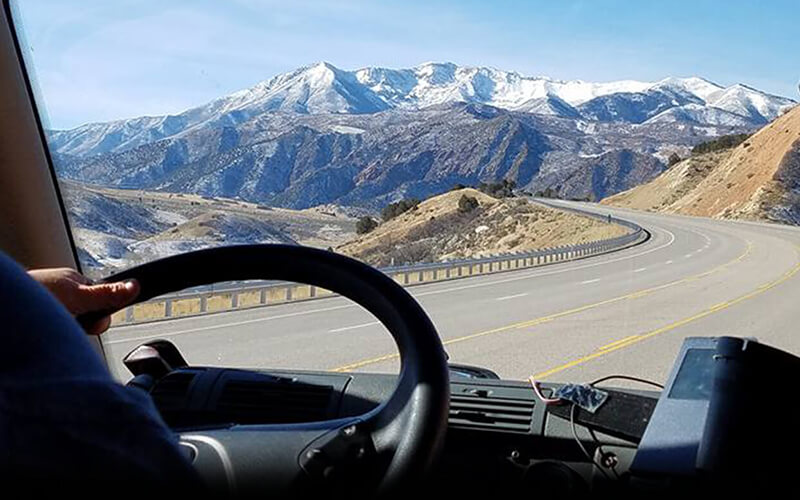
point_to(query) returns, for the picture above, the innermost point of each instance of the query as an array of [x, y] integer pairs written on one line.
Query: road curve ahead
[[621, 313]]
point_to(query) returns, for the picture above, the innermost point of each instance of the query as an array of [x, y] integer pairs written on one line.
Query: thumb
[[106, 297]]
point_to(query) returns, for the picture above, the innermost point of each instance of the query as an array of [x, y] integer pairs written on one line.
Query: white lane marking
[[136, 338], [227, 325], [539, 274], [590, 281], [687, 256], [640, 269], [507, 297], [345, 328], [668, 262]]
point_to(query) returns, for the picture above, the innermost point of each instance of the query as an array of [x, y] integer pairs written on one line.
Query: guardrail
[[205, 300]]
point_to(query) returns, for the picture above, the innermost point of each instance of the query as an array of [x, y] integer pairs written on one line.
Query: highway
[[621, 313]]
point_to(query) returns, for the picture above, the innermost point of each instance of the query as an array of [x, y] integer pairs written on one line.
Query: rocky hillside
[[119, 228], [437, 229], [759, 179]]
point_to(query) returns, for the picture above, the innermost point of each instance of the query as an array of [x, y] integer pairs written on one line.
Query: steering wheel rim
[[408, 428]]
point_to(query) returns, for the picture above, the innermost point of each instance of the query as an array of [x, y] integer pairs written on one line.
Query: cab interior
[[434, 427]]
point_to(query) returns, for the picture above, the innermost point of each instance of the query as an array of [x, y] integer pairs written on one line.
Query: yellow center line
[[638, 338], [544, 319], [612, 344]]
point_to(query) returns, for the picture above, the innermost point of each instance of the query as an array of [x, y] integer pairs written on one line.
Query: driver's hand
[[79, 295]]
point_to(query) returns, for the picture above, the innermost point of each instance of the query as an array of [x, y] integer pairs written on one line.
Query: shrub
[[673, 159], [392, 210], [365, 225], [458, 187], [547, 193], [720, 143], [467, 204], [502, 189]]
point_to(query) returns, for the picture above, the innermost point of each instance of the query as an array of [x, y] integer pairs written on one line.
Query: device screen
[[694, 378]]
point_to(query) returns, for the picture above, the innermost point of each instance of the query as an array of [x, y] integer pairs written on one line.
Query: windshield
[[561, 185]]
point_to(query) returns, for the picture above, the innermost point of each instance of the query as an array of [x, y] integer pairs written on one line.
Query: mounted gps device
[[715, 418], [671, 440]]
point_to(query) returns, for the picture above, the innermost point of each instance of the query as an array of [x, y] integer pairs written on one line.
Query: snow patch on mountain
[[322, 88], [757, 106], [696, 113]]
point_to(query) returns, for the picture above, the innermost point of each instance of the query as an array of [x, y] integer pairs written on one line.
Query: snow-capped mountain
[[549, 105], [322, 135], [322, 88], [635, 107], [699, 114], [745, 101]]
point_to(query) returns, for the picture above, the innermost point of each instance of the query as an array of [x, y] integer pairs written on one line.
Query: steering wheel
[[393, 445]]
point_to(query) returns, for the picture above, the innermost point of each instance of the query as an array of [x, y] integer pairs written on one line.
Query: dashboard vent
[[273, 402], [170, 392], [170, 395], [490, 413]]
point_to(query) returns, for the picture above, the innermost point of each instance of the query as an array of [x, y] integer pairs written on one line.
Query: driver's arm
[[80, 295]]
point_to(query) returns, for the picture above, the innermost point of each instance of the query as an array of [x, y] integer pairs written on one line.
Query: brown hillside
[[436, 230], [756, 180]]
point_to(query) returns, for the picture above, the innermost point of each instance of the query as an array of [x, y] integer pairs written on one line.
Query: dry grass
[[217, 303], [185, 307], [250, 299], [148, 311], [437, 231]]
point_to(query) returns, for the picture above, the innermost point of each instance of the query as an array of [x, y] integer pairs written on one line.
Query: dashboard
[[499, 434], [502, 436]]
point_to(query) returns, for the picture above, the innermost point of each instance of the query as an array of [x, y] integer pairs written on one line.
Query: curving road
[[622, 313]]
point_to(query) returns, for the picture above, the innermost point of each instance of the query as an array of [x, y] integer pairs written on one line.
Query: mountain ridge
[[324, 88]]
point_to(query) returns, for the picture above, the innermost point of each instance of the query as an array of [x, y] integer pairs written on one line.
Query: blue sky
[[97, 60]]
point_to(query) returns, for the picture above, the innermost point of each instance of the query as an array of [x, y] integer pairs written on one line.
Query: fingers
[[58, 276], [105, 297], [80, 296], [77, 277]]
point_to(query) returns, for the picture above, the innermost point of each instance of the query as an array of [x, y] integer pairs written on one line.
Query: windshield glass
[[526, 171]]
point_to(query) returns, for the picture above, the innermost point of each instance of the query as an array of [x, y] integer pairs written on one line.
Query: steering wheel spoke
[[341, 455]]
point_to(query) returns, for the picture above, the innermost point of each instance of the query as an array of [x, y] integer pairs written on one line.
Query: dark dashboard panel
[[498, 430], [500, 435]]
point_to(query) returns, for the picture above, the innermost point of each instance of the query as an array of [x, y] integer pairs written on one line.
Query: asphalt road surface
[[622, 313]]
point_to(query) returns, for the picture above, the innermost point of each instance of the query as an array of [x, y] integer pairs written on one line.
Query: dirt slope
[[668, 188], [436, 230], [759, 179]]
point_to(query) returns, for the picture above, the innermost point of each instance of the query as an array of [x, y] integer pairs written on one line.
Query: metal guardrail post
[[168, 308], [234, 300], [262, 299], [203, 304]]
